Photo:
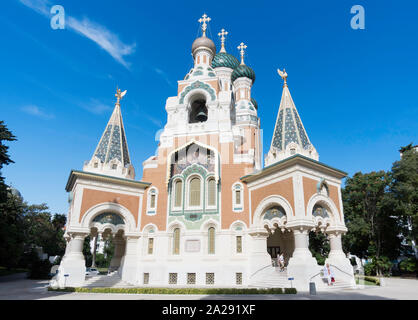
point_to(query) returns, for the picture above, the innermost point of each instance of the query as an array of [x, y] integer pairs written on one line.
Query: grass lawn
[[102, 270], [365, 282], [5, 272]]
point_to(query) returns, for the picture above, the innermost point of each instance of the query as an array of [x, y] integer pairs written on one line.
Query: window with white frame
[[150, 245], [152, 201], [195, 192], [178, 193], [211, 190], [238, 240], [176, 241], [211, 240], [237, 197]]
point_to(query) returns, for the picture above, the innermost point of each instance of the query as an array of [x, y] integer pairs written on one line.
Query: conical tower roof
[[289, 136], [113, 144]]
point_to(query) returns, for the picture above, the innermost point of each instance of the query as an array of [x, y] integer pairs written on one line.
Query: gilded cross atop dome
[[222, 34], [203, 21], [283, 74], [119, 95], [242, 47]]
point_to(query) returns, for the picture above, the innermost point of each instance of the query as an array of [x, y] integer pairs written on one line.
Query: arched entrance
[[107, 234], [280, 240]]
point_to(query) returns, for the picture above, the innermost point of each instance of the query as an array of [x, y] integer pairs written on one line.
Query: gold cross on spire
[[203, 20], [242, 47], [119, 95], [222, 34]]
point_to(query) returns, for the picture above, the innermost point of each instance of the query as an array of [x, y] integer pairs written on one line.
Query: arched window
[[178, 193], [194, 192], [238, 244], [198, 110], [237, 197], [211, 240], [176, 241], [152, 201], [211, 192]]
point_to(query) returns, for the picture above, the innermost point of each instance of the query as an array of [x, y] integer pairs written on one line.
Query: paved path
[[16, 287]]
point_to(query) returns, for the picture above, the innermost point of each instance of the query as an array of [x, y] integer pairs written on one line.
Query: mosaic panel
[[302, 133], [111, 218], [277, 140], [320, 211], [274, 212], [289, 129]]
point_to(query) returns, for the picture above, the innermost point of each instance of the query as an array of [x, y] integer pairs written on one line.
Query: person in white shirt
[[281, 261], [328, 274]]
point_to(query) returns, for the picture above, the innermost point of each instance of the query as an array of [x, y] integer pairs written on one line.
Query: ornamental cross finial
[[119, 95], [222, 34], [203, 20], [242, 47], [283, 74]]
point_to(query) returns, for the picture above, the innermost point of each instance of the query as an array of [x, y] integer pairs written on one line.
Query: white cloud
[[97, 33], [37, 112]]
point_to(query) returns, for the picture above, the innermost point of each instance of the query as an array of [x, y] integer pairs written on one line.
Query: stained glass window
[[239, 244], [211, 192], [211, 240], [150, 245], [176, 241], [178, 193], [194, 192]]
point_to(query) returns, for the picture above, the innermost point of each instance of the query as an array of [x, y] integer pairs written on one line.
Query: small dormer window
[[114, 166], [96, 165], [292, 151]]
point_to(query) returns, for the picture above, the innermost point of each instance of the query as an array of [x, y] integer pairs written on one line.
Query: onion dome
[[226, 60], [204, 42], [255, 104], [243, 71]]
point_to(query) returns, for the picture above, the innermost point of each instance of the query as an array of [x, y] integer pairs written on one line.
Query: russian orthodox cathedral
[[208, 212]]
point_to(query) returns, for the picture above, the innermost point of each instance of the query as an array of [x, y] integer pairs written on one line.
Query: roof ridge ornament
[[222, 34], [283, 75], [242, 47], [119, 95], [203, 21]]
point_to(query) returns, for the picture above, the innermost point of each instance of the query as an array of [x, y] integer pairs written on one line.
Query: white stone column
[[302, 266], [337, 259], [258, 255], [119, 250], [129, 264], [74, 264]]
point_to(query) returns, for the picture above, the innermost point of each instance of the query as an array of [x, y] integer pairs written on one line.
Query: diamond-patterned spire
[[113, 144], [289, 136]]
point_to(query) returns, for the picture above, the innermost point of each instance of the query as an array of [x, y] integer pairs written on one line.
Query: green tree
[[12, 237], [405, 190], [319, 246], [5, 135], [371, 218], [44, 230]]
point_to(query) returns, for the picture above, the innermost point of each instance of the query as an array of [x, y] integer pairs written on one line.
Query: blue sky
[[355, 90]]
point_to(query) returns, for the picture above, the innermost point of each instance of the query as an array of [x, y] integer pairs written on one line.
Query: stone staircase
[[272, 278], [111, 280], [337, 285]]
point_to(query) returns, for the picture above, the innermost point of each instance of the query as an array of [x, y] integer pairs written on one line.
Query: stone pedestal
[[118, 253], [337, 259], [129, 263], [302, 266], [258, 256], [73, 264]]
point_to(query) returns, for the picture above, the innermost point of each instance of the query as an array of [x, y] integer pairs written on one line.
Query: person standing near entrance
[[329, 275], [281, 261]]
